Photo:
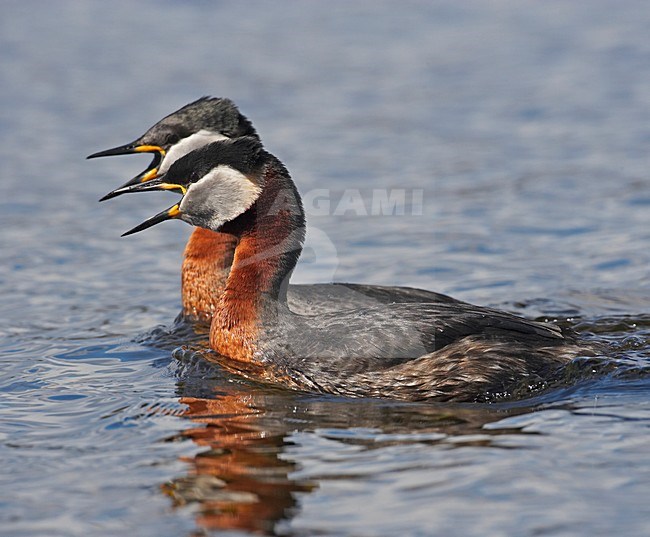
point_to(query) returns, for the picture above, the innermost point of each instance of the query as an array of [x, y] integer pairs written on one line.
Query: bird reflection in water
[[247, 477], [239, 481]]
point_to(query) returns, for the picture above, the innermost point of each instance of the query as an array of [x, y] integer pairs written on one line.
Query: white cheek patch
[[186, 145], [218, 197]]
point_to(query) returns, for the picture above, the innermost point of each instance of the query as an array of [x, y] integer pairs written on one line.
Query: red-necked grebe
[[413, 351]]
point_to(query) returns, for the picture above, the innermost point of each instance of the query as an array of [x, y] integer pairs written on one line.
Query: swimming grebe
[[411, 351], [208, 254]]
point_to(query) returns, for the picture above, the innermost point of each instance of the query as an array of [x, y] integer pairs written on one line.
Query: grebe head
[[219, 182], [206, 120]]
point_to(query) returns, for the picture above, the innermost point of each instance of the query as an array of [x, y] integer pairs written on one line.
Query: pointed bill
[[128, 149], [146, 176], [169, 214], [153, 184]]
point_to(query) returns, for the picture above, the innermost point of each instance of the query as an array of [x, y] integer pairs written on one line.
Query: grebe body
[[440, 350], [208, 253]]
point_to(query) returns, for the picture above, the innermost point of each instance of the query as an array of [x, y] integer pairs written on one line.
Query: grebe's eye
[[171, 138]]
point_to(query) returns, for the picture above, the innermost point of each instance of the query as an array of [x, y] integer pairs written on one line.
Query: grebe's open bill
[[128, 149], [149, 174], [157, 183], [145, 177], [172, 212]]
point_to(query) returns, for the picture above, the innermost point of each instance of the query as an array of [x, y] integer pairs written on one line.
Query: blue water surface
[[525, 125]]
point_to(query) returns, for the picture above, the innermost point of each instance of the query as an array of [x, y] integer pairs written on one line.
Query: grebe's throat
[[270, 237], [270, 234], [206, 265]]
